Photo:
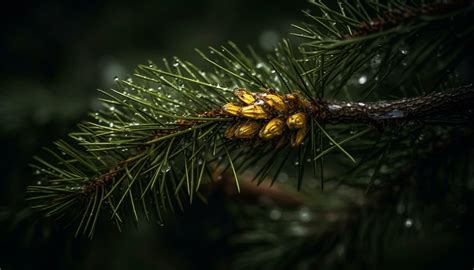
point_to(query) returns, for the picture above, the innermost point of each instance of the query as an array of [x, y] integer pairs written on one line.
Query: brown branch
[[418, 108], [438, 104]]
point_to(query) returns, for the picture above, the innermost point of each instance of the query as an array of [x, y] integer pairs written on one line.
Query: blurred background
[[53, 57]]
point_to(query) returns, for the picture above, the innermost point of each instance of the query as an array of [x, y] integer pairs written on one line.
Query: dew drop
[[116, 79], [304, 214], [111, 124], [297, 230], [376, 60], [362, 79], [167, 169], [75, 188], [408, 223]]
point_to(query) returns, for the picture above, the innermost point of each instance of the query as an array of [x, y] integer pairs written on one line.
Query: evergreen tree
[[349, 146]]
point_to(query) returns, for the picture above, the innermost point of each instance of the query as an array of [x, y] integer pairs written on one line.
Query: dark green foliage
[[135, 159]]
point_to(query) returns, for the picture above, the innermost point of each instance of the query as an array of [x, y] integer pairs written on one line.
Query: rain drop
[[376, 60], [304, 214], [167, 169], [408, 223], [362, 79], [297, 230]]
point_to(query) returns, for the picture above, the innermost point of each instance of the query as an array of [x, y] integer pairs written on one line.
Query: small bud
[[291, 101], [272, 129], [296, 121], [247, 130], [290, 97], [232, 109], [229, 132], [254, 112], [244, 95], [304, 103], [298, 137], [276, 102]]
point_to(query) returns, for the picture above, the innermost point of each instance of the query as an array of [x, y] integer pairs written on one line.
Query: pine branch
[[161, 133], [459, 101]]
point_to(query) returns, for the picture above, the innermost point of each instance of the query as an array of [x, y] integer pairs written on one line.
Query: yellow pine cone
[[304, 103], [272, 129], [247, 130], [232, 109], [296, 121], [254, 112], [275, 101], [298, 137], [229, 132], [244, 95]]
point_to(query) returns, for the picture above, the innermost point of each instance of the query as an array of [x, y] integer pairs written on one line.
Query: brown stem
[[434, 105]]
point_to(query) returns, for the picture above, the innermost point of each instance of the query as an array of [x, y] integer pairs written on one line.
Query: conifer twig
[[427, 106]]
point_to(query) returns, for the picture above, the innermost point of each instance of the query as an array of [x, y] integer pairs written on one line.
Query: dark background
[[53, 57]]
